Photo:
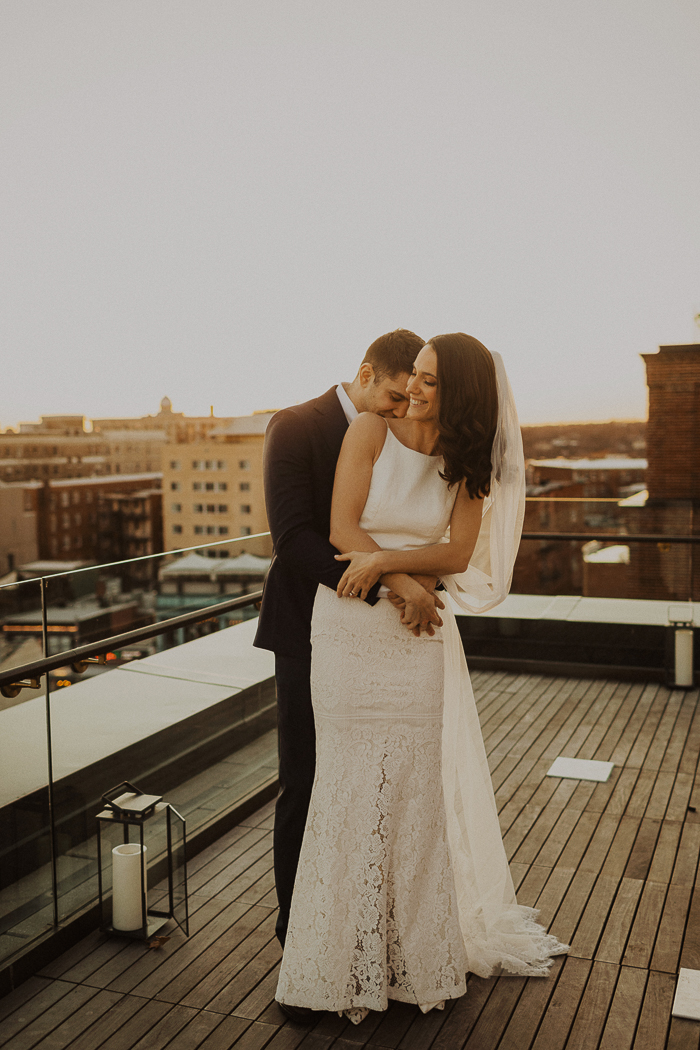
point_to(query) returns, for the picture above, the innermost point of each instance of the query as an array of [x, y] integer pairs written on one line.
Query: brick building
[[74, 516], [570, 495], [670, 571]]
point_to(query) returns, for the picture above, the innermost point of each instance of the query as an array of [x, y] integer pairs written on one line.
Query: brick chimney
[[673, 429], [670, 572]]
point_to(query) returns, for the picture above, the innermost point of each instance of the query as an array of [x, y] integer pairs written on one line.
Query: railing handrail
[[612, 537], [117, 641]]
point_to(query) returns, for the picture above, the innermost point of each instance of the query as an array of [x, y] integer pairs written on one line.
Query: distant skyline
[[226, 201]]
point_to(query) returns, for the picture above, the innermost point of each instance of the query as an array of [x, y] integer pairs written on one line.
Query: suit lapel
[[330, 420]]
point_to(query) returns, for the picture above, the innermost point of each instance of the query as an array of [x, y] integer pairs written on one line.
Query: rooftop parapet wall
[[673, 430]]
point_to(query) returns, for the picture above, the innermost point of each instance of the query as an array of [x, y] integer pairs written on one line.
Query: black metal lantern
[[126, 814]]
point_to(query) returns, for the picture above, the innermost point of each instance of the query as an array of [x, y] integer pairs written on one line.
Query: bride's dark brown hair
[[467, 410]]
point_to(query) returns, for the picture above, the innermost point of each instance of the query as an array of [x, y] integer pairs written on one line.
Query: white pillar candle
[[127, 911], [684, 656]]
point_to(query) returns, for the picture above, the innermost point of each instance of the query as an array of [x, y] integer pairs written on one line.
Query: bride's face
[[422, 386]]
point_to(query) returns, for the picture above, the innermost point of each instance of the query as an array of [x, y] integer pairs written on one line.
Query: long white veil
[[499, 934]]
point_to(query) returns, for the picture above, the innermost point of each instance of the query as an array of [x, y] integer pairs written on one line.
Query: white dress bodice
[[408, 505]]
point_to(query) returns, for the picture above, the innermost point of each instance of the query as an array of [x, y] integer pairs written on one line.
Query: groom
[[302, 445]]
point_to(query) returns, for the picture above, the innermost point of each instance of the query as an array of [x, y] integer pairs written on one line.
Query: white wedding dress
[[403, 883]]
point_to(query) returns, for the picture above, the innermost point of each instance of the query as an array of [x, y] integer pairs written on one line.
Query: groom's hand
[[419, 609]]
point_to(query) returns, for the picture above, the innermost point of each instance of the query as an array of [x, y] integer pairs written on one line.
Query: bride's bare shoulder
[[366, 434]]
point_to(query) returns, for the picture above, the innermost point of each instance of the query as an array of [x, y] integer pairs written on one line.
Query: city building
[[193, 581], [18, 526], [94, 519], [130, 525], [62, 447], [607, 477], [176, 426], [213, 489], [76, 516]]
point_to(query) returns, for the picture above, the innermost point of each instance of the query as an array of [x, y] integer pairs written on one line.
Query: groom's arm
[[290, 503]]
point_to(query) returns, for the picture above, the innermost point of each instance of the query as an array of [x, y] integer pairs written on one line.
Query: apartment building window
[[77, 519], [209, 487], [176, 508], [222, 486], [223, 530], [245, 508], [174, 486], [174, 464], [223, 508], [244, 464], [65, 498], [198, 508], [221, 464], [208, 464], [196, 486], [244, 486], [245, 530], [199, 530], [211, 508], [66, 521], [177, 529], [211, 530]]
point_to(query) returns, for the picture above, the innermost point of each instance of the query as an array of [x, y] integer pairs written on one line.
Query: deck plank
[[621, 1022]]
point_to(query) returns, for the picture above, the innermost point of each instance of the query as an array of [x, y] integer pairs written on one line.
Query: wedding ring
[[352, 594]]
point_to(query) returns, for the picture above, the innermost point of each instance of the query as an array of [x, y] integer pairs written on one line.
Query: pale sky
[[227, 201]]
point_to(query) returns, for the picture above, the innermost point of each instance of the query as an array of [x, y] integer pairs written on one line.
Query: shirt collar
[[346, 404]]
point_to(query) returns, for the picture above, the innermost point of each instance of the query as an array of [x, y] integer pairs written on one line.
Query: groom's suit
[[302, 445]]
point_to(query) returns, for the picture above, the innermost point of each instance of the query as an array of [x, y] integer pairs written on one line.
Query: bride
[[403, 884]]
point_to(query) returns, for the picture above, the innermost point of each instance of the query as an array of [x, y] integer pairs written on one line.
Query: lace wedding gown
[[403, 883]]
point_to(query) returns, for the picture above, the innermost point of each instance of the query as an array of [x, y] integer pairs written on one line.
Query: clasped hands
[[418, 604]]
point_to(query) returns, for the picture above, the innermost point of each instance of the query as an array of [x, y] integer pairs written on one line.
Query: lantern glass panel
[[179, 871]]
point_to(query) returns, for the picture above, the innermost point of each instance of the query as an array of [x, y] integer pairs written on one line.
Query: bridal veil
[[500, 936]]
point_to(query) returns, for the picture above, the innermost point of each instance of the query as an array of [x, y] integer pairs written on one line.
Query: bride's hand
[[361, 574]]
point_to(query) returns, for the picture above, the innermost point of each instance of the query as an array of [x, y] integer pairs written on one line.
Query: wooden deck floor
[[613, 868]]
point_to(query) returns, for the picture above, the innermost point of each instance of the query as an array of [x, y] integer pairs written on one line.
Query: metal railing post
[[49, 752]]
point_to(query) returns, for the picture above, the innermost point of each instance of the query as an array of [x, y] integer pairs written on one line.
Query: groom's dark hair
[[394, 353]]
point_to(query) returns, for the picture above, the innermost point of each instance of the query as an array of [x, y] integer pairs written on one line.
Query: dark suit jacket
[[302, 444]]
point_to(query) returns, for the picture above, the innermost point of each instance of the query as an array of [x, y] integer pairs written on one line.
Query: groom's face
[[387, 396]]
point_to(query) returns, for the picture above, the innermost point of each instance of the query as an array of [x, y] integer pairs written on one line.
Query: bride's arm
[[361, 448], [440, 559]]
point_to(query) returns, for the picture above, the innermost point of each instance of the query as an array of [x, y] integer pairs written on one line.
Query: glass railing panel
[[204, 767], [20, 625], [26, 879], [611, 564], [94, 602]]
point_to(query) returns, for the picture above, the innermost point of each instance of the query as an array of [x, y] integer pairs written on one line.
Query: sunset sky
[[226, 201]]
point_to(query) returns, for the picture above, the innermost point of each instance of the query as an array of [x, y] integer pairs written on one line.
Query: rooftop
[[241, 425], [197, 565], [612, 867]]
